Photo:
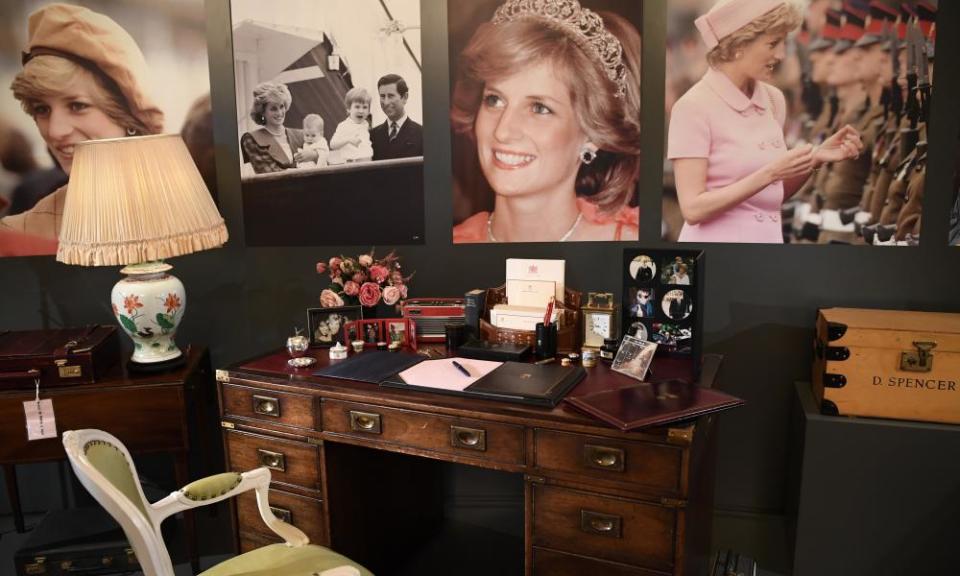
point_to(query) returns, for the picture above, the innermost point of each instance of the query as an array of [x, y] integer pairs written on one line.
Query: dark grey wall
[[760, 300]]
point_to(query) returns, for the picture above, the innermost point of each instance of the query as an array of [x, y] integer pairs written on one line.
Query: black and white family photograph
[[92, 70], [545, 120], [800, 121], [329, 116]]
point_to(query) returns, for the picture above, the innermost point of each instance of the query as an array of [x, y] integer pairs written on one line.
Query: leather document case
[[58, 356], [538, 384], [653, 404], [371, 366]]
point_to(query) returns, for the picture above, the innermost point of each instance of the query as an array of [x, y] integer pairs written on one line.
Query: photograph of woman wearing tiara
[[731, 165], [545, 117]]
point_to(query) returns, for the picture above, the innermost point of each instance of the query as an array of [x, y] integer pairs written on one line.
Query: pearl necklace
[[282, 134], [563, 238]]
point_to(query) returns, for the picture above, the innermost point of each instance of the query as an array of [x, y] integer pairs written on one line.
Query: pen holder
[[454, 335], [545, 341]]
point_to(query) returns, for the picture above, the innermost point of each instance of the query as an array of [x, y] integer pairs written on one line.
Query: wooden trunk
[[888, 364]]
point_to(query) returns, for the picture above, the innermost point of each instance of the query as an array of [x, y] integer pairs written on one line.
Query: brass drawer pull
[[272, 460], [283, 514], [266, 406], [601, 524], [603, 457], [469, 438], [365, 422]]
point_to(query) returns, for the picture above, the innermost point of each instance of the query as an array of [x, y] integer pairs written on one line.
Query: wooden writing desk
[[596, 500], [148, 413]]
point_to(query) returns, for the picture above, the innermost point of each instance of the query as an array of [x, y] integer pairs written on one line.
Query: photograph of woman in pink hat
[[732, 168], [545, 117], [83, 77]]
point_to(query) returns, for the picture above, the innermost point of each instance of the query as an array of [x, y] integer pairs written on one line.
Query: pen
[[460, 367], [545, 361]]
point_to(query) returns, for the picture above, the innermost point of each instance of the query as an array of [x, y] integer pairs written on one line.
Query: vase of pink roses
[[366, 280]]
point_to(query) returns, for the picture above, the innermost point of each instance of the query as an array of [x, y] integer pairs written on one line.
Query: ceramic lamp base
[[149, 305]]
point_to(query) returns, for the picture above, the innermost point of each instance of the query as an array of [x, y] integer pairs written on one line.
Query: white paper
[[443, 375], [537, 269], [535, 293], [41, 423]]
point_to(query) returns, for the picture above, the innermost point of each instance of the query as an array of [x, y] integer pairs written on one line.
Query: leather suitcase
[[78, 542], [57, 357], [888, 364]]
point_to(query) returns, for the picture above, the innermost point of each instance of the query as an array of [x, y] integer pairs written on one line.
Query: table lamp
[[136, 202]]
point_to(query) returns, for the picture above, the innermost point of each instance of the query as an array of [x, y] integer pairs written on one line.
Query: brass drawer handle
[[272, 460], [469, 438], [601, 524], [283, 514], [266, 406], [365, 422], [603, 457]]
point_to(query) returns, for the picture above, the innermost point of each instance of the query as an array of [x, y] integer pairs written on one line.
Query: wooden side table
[[149, 413]]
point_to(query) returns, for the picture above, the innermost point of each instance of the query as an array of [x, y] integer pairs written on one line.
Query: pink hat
[[728, 16]]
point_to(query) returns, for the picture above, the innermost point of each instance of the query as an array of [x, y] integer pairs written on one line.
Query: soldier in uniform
[[822, 59], [845, 184], [899, 213], [845, 77]]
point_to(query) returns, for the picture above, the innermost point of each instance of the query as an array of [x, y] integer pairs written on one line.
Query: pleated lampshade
[[137, 199]]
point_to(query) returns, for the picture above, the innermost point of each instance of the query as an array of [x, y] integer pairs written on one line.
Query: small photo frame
[[600, 300], [634, 357], [598, 324], [326, 325], [643, 269], [678, 270], [396, 331], [677, 304], [643, 302], [370, 331]]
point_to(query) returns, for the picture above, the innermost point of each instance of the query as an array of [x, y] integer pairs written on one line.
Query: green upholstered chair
[[105, 468]]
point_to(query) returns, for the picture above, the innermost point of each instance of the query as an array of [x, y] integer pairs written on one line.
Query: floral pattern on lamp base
[[149, 303]]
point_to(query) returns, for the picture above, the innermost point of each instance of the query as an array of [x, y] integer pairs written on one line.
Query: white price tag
[[41, 422]]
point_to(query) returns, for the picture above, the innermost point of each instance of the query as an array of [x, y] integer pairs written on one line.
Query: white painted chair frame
[[144, 534]]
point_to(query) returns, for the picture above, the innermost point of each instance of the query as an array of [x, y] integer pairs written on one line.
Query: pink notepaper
[[443, 375]]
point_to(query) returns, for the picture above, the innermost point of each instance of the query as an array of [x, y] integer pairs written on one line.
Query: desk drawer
[[649, 465], [289, 462], [304, 513], [491, 441], [604, 527], [551, 563], [268, 405]]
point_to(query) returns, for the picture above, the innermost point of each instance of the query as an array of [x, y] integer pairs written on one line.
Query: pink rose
[[379, 273], [359, 277], [390, 295], [369, 294], [334, 263], [321, 267], [330, 299], [403, 290], [351, 288], [366, 260]]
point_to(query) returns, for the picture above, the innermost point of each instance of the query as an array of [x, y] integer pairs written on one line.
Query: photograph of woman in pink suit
[[731, 164]]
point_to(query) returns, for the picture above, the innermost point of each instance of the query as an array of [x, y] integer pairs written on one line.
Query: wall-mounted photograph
[[329, 121], [954, 238], [545, 120], [92, 70], [797, 121]]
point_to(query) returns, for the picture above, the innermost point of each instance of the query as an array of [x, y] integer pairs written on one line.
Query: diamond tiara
[[582, 24]]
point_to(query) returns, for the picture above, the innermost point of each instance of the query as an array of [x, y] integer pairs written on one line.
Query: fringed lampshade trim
[[123, 253]]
